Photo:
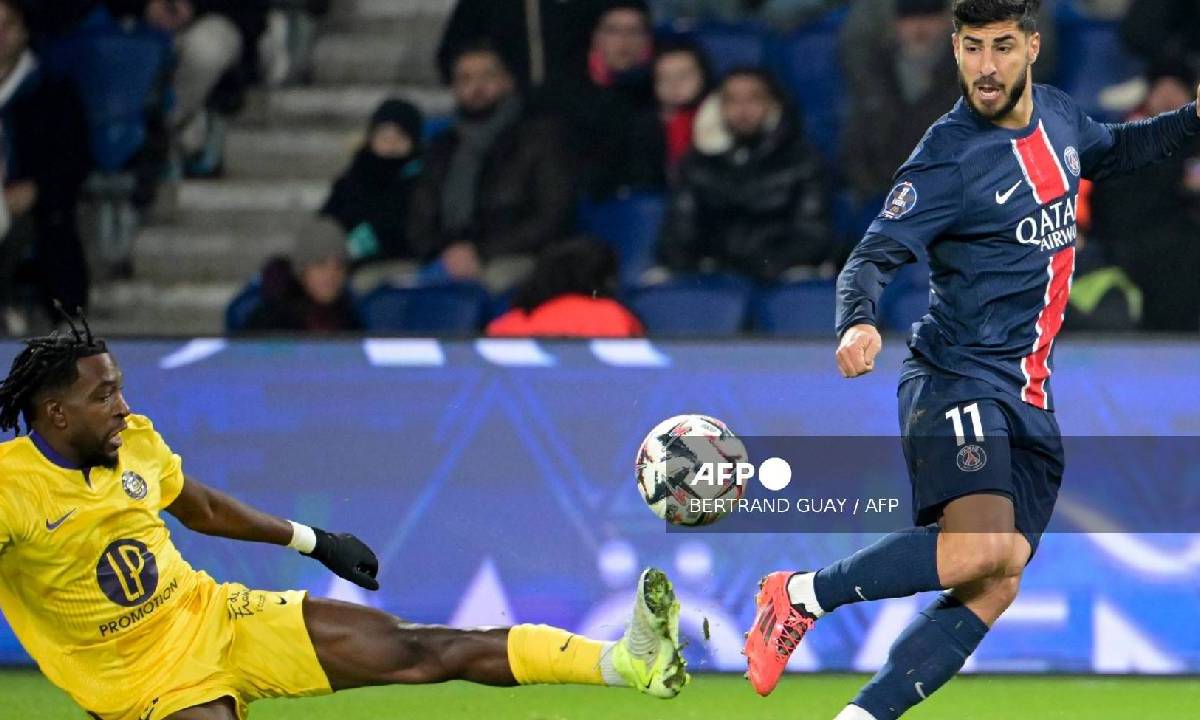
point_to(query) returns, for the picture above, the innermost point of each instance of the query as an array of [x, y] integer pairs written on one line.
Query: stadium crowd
[[610, 166]]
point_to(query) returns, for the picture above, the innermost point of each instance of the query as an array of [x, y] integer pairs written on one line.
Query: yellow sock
[[540, 654]]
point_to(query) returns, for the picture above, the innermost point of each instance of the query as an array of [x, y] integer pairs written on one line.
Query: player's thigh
[[956, 442], [1038, 462], [359, 646], [222, 709]]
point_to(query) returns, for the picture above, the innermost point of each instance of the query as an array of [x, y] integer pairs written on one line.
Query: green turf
[[723, 697]]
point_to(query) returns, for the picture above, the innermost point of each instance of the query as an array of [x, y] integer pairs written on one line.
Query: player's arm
[[212, 512], [1114, 149], [870, 268]]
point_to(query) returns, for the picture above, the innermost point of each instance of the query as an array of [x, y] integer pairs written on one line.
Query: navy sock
[[930, 651], [897, 565]]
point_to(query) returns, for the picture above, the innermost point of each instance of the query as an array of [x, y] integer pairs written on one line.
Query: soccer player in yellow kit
[[99, 596]]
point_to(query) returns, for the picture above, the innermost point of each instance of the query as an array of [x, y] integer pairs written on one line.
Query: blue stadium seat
[[435, 125], [117, 69], [809, 66], [631, 225], [241, 307], [803, 309], [729, 45], [701, 306], [450, 309], [1093, 58]]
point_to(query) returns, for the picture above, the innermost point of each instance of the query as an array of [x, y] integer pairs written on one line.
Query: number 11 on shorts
[[955, 415]]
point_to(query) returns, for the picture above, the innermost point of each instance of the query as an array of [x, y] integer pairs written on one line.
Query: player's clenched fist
[[856, 353], [348, 557]]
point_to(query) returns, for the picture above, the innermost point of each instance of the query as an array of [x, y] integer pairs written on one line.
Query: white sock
[[801, 592], [612, 678], [854, 712]]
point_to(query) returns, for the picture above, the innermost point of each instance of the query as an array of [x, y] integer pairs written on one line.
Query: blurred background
[[529, 167]]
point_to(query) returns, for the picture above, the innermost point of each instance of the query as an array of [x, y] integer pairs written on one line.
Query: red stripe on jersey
[[1041, 167], [1036, 365]]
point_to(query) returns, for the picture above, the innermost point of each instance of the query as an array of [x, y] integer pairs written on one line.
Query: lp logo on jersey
[[127, 572], [900, 201], [133, 484]]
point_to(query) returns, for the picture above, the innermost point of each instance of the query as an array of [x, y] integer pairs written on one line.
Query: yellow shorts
[[246, 644]]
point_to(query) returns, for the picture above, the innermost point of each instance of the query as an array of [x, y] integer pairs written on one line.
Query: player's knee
[[1005, 589], [985, 555]]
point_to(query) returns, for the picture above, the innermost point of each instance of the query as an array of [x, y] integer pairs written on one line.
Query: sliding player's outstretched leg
[[359, 646]]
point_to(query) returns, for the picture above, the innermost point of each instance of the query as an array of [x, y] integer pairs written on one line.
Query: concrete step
[[251, 195], [389, 9], [178, 254], [148, 308], [339, 105], [289, 152], [389, 57]]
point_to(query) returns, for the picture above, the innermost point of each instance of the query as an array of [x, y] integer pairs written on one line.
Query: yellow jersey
[[89, 578]]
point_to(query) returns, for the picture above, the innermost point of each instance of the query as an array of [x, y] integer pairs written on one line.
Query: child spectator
[[308, 292], [370, 199], [682, 79]]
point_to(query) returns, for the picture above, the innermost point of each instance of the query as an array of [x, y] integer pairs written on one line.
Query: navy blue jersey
[[995, 211]]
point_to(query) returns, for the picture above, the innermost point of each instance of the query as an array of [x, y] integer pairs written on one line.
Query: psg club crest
[[1071, 155], [134, 485], [971, 458], [900, 201]]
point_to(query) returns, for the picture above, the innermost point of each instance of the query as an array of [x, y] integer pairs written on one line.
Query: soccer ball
[[667, 462]]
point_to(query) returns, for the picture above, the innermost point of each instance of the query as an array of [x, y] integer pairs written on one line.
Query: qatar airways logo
[[1052, 227]]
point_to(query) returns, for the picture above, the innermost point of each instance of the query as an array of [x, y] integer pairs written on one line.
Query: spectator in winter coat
[[913, 84], [497, 185], [1149, 221], [751, 200], [611, 113], [541, 40], [308, 292], [44, 160], [370, 199], [682, 79], [569, 294]]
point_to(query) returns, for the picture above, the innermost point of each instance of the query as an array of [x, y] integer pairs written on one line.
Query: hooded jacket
[[754, 209]]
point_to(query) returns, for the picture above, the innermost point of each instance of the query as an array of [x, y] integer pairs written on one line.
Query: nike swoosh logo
[[52, 526], [920, 690], [858, 590], [1002, 197], [564, 645], [281, 601]]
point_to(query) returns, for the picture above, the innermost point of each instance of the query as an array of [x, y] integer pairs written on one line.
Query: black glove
[[347, 557]]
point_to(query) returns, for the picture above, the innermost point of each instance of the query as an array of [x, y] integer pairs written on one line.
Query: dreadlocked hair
[[46, 362]]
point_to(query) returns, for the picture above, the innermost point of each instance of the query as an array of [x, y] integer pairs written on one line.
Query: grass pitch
[[25, 694]]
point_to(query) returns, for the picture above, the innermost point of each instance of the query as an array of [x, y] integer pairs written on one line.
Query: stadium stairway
[[208, 237]]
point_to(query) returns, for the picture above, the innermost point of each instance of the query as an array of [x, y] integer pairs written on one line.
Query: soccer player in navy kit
[[989, 195]]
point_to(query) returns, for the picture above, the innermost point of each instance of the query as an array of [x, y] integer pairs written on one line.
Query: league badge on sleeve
[[900, 201]]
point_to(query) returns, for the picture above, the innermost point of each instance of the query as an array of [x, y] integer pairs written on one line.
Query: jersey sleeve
[[1096, 141], [171, 473], [1112, 149], [925, 202], [5, 531], [171, 483]]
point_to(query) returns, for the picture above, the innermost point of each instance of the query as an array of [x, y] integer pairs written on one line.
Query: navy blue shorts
[[964, 436]]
